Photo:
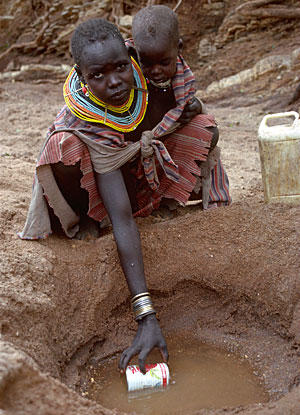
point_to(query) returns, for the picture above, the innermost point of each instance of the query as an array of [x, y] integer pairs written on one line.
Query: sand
[[228, 276]]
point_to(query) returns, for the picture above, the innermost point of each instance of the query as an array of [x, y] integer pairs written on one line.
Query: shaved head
[[153, 22]]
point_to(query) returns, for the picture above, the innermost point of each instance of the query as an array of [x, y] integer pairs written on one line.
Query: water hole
[[201, 377]]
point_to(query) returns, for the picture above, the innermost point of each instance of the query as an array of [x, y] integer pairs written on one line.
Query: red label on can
[[135, 369], [164, 373], [149, 367]]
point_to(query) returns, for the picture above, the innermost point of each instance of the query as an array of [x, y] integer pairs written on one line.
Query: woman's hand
[[192, 108], [147, 338]]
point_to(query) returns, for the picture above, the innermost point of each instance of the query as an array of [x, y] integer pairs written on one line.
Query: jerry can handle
[[280, 115]]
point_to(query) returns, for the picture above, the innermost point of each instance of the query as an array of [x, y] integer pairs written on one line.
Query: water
[[202, 376]]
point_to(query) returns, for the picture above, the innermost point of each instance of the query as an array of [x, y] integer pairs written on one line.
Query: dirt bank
[[229, 276]]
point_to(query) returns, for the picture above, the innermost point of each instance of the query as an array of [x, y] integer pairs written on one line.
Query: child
[[156, 44]]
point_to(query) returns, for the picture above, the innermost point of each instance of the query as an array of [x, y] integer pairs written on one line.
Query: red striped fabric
[[185, 146]]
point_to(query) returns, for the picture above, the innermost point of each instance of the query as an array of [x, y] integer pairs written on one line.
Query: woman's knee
[[68, 180], [63, 172]]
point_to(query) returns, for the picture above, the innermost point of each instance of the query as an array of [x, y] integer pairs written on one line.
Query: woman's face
[[157, 58], [106, 68]]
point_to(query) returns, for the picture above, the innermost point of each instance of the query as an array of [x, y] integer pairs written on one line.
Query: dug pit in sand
[[201, 376], [237, 288]]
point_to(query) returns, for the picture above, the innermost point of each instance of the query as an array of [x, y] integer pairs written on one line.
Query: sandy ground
[[228, 276]]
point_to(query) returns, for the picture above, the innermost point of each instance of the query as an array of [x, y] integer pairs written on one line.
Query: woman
[[102, 159]]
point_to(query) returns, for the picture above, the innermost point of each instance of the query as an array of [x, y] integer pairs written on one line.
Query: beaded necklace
[[124, 118]]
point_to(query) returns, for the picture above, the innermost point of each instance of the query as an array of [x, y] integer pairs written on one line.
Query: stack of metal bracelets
[[142, 305]]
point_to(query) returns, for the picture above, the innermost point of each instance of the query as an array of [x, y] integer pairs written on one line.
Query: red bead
[[84, 90]]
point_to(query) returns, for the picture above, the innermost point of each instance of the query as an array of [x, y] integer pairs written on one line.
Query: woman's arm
[[114, 195]]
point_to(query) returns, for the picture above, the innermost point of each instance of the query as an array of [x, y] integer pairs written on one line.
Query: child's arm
[[194, 107], [114, 195]]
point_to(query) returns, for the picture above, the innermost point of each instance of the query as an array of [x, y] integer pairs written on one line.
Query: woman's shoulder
[[66, 119]]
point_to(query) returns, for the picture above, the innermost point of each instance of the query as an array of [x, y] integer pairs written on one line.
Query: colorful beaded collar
[[123, 118]]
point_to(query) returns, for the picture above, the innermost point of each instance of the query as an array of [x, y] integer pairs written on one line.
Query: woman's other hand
[[192, 108]]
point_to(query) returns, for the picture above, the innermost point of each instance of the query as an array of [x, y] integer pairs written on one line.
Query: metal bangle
[[142, 301], [142, 309], [140, 295], [144, 315], [145, 311]]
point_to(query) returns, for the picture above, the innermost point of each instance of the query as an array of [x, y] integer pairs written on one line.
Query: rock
[[126, 21], [206, 48], [275, 63], [36, 72]]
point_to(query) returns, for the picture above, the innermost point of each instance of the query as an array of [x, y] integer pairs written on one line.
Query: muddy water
[[202, 376]]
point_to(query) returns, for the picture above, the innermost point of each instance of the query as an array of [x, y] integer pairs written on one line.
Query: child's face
[[157, 59], [106, 68]]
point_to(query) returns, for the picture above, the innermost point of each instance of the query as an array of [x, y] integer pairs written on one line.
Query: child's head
[[102, 61], [156, 37]]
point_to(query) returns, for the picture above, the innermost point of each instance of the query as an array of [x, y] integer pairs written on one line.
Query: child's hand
[[148, 337], [192, 108]]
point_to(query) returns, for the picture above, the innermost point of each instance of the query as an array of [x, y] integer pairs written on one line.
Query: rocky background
[[235, 41]]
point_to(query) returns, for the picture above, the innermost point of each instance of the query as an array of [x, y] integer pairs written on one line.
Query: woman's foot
[[88, 227]]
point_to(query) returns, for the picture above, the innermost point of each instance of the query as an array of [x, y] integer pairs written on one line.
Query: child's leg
[[198, 194], [215, 137], [68, 180]]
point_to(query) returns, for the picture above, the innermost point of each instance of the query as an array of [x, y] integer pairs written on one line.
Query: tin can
[[157, 375]]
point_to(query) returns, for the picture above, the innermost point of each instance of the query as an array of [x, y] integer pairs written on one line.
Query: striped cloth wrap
[[170, 171]]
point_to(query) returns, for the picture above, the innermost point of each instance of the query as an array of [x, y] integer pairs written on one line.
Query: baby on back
[[157, 45]]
